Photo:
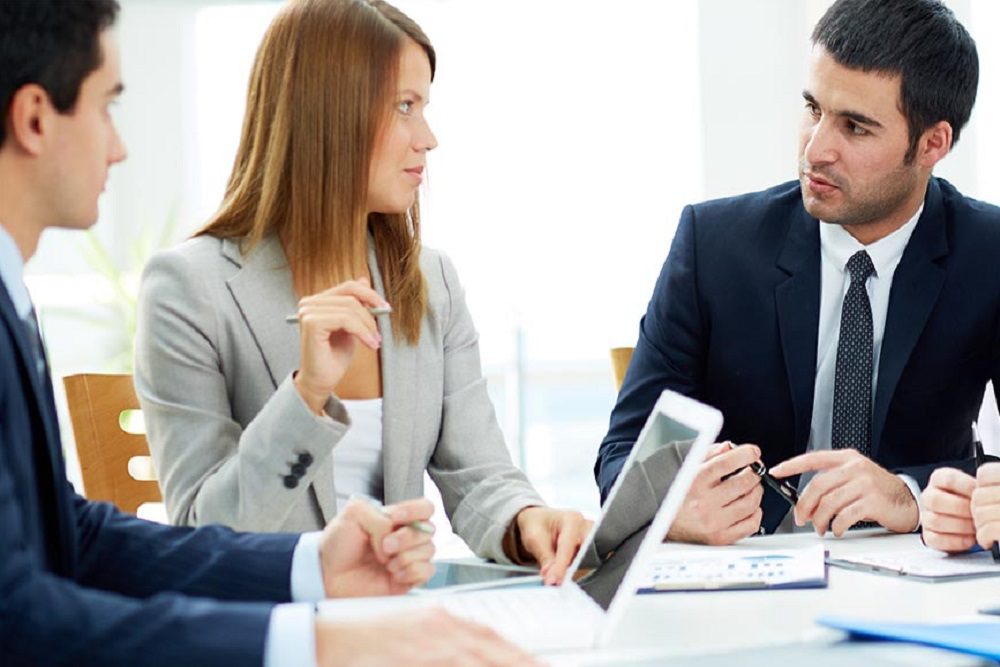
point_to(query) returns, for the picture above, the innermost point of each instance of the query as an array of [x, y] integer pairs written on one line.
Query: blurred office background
[[572, 132]]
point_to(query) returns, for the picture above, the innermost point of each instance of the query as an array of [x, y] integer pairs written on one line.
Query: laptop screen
[[678, 429]]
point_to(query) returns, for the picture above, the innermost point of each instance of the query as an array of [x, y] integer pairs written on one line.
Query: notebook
[[554, 618], [923, 564], [734, 569]]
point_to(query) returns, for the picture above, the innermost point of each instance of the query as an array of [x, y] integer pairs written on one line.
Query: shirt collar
[[837, 245], [12, 274]]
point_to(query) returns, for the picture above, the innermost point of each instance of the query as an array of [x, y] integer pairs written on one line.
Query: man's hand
[[848, 488], [986, 505], [416, 638], [364, 551], [718, 511], [947, 518], [551, 537]]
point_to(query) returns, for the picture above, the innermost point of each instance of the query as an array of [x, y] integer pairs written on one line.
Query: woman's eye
[[405, 107]]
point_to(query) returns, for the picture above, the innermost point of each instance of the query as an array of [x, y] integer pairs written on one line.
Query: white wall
[[571, 134]]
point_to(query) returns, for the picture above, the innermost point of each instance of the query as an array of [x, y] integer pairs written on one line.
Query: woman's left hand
[[552, 537]]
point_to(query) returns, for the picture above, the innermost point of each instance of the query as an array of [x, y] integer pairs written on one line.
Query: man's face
[[853, 143], [84, 145]]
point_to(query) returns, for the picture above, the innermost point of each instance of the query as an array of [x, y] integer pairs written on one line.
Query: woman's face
[[397, 167]]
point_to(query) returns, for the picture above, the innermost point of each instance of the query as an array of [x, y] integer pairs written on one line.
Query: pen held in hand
[[980, 458], [788, 492], [374, 310], [419, 526]]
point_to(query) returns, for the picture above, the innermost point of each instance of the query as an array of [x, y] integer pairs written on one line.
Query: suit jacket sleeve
[[481, 488], [128, 603], [668, 355], [211, 469]]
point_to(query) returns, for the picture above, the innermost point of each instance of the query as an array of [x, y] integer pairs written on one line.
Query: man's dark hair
[[53, 43], [919, 40]]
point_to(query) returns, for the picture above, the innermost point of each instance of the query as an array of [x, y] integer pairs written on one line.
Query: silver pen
[[419, 526], [374, 310]]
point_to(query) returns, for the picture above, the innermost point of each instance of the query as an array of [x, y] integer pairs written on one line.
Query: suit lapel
[[797, 302], [42, 394], [915, 289], [47, 455], [399, 362], [264, 295]]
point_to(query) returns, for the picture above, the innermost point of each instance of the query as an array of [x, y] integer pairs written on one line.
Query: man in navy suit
[[83, 584], [847, 323]]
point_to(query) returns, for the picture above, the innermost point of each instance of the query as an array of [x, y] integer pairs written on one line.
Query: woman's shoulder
[[438, 270], [204, 254], [198, 264], [196, 251]]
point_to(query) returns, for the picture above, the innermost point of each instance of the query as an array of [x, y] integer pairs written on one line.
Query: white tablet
[[451, 576]]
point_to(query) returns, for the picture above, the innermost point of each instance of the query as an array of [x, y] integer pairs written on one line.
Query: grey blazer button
[[298, 470], [291, 481], [306, 459]]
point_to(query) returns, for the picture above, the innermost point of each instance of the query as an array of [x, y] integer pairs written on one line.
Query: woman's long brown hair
[[321, 90]]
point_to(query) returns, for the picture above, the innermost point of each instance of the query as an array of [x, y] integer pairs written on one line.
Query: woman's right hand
[[329, 323]]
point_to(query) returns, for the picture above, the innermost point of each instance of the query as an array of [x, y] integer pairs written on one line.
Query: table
[[698, 623]]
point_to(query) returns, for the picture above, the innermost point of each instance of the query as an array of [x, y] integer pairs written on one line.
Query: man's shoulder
[[774, 203], [964, 208], [760, 219]]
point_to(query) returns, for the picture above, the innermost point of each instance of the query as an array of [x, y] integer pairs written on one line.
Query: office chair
[[620, 358], [116, 465]]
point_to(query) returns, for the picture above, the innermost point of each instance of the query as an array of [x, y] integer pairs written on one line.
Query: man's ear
[[28, 116], [935, 143]]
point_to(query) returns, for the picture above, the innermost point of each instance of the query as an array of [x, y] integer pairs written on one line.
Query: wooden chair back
[[116, 465], [620, 358]]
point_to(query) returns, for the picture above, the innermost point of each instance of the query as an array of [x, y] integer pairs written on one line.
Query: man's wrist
[[307, 583], [911, 499], [291, 635]]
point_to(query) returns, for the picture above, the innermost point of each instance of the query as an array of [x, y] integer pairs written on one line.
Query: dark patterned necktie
[[852, 383], [37, 348]]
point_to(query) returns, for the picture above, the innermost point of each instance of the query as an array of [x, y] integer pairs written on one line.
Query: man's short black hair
[[919, 40], [53, 43]]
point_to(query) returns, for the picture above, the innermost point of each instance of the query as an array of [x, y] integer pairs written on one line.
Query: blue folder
[[976, 638]]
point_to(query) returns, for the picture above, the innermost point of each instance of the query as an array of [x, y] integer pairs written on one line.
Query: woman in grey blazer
[[264, 425]]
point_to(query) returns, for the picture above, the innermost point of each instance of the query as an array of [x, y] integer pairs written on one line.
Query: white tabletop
[[713, 622]]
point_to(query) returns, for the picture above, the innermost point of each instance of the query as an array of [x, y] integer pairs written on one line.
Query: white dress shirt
[[291, 631], [357, 458], [836, 247]]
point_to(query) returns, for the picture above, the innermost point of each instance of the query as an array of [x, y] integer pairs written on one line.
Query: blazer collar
[[263, 292], [915, 289], [399, 413], [44, 406], [797, 302]]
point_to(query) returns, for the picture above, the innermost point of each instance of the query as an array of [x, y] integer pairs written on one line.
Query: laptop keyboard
[[535, 618]]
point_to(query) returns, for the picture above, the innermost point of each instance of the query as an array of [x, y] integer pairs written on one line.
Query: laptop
[[584, 614]]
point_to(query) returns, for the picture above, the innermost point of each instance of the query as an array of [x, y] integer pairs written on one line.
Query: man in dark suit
[[846, 324], [83, 584]]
